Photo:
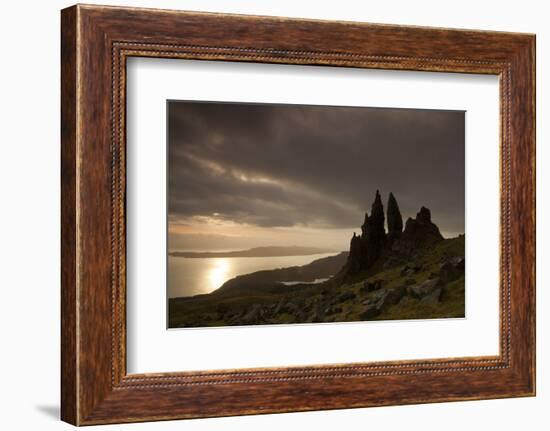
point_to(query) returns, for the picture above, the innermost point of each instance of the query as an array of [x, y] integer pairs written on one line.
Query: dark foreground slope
[[236, 296]]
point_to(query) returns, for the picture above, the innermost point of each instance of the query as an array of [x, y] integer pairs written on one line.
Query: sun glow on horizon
[[218, 273]]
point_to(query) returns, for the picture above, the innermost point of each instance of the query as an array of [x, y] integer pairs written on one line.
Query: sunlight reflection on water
[[217, 273], [194, 276]]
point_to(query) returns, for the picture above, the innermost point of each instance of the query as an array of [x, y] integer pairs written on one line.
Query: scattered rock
[[411, 269], [423, 289], [371, 286], [345, 296], [395, 295], [452, 269], [253, 315], [448, 272], [407, 272], [370, 311], [386, 297], [434, 297], [459, 262], [291, 308], [381, 301]]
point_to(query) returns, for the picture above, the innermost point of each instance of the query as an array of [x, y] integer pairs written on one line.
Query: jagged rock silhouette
[[395, 221], [374, 242]]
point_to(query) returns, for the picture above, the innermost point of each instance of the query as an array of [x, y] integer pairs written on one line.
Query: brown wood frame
[[95, 43]]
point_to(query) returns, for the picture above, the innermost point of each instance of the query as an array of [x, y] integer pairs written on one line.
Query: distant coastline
[[254, 252]]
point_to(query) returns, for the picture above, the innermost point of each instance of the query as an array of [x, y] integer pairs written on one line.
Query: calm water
[[187, 277]]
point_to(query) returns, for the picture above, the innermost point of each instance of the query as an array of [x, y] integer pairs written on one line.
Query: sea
[[194, 276]]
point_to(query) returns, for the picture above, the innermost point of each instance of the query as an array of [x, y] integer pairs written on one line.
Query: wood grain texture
[[96, 41], [69, 366]]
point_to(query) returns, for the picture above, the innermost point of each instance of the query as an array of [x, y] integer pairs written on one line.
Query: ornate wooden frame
[[95, 42]]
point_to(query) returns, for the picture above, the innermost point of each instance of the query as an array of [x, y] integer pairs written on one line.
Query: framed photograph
[[266, 215], [225, 190]]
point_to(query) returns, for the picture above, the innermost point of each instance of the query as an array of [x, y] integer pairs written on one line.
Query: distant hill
[[255, 252], [265, 280]]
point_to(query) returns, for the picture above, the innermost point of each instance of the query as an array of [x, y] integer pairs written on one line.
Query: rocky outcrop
[[421, 229], [354, 257], [374, 242], [395, 221], [373, 234], [368, 247]]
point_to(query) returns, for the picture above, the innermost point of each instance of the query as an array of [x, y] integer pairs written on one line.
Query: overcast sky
[[246, 175]]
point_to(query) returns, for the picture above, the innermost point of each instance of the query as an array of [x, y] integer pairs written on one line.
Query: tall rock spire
[[377, 217], [365, 226], [373, 235], [395, 221], [376, 232], [354, 257]]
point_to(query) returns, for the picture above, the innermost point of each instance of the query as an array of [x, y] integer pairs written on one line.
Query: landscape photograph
[[308, 214]]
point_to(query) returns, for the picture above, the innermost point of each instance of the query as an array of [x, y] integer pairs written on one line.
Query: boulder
[[291, 308], [410, 269], [448, 272], [434, 297], [426, 288], [370, 311], [394, 295], [452, 269], [372, 285], [407, 272], [459, 262], [254, 315], [345, 296], [387, 297]]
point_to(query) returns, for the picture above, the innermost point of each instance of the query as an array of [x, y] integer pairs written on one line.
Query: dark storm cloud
[[286, 165]]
